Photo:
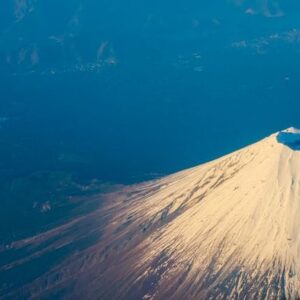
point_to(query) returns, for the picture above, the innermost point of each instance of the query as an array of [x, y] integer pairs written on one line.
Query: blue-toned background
[[96, 92]]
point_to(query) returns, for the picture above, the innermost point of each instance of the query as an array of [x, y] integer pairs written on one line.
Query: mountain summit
[[227, 229]]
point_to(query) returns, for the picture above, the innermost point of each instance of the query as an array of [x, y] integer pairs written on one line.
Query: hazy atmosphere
[[123, 92], [95, 94]]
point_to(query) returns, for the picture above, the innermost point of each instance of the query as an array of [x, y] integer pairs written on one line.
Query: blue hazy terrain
[[97, 92]]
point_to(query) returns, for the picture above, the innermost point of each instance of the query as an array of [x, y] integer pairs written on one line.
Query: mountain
[[89, 89], [227, 229]]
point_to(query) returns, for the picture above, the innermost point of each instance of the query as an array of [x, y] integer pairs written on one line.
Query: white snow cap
[[290, 137], [229, 229], [291, 130]]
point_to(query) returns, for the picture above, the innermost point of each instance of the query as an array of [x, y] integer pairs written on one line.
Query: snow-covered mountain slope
[[228, 229]]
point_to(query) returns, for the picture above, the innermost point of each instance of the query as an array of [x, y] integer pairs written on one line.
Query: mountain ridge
[[227, 229]]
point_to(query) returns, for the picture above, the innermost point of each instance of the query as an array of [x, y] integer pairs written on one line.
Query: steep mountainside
[[226, 229]]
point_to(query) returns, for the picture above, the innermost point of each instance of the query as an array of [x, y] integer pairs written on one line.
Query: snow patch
[[290, 137]]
